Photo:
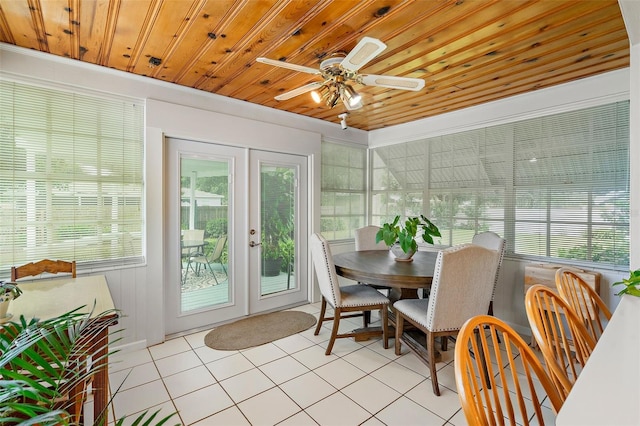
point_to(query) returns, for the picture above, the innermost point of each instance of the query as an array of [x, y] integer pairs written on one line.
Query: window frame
[[66, 122]]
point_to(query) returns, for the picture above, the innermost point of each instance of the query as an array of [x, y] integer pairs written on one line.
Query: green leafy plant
[[38, 368], [9, 291], [630, 284], [405, 236]]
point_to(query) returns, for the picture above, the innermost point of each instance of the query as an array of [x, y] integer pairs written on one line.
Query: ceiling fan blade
[[367, 49], [404, 83], [299, 91], [293, 67]]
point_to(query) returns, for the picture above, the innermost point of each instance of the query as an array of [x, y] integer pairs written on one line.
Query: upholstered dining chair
[[461, 289], [37, 268], [206, 261], [492, 241], [347, 301], [365, 239], [584, 300], [560, 334], [499, 378]]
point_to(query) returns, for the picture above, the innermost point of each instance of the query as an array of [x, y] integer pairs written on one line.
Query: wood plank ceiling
[[467, 51]]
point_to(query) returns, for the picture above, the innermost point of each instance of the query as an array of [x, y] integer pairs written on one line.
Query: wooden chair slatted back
[[562, 337], [584, 301], [489, 354]]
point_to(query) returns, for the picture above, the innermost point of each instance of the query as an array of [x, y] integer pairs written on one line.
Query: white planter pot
[[400, 255]]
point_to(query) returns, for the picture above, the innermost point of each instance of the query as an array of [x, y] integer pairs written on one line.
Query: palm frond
[[44, 363]]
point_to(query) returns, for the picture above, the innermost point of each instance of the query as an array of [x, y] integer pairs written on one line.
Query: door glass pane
[[277, 207], [204, 218]]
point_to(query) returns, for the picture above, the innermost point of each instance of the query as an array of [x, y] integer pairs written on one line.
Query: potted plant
[[39, 389], [271, 257], [402, 239], [8, 292], [630, 284]]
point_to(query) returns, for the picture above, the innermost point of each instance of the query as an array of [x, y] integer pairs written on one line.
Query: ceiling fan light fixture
[[319, 94], [350, 95], [332, 98]]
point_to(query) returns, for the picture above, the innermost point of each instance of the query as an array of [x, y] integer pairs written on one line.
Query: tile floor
[[287, 382]]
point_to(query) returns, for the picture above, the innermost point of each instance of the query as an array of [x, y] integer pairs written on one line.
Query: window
[[71, 177], [343, 207], [554, 187]]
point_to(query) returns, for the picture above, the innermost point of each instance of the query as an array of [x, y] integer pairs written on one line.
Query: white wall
[[180, 112]]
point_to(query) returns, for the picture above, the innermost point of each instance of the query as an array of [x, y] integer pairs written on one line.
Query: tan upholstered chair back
[[462, 285], [325, 269], [366, 239], [492, 241]]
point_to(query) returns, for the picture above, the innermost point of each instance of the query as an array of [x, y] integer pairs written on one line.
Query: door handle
[[251, 242]]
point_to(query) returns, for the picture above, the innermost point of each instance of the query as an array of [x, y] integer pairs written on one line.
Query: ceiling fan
[[340, 71]]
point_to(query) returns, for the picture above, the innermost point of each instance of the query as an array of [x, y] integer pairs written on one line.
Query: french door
[[236, 233], [278, 229]]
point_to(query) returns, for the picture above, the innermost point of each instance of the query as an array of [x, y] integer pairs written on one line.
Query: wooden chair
[[492, 241], [584, 301], [562, 338], [461, 289], [511, 386], [46, 265], [343, 300]]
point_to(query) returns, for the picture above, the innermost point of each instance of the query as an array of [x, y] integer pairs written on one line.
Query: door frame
[[240, 250]]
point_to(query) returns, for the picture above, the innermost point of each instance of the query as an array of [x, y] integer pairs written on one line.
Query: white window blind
[[554, 187], [343, 205], [71, 177], [571, 185]]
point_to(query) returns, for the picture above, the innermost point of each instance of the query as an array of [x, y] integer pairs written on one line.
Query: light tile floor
[[288, 382]]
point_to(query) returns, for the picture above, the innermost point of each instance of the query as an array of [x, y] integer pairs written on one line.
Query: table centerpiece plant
[[401, 239]]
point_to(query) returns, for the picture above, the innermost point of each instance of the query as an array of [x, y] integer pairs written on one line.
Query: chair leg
[[399, 326], [334, 330], [431, 348], [323, 309], [384, 313], [366, 318], [212, 272]]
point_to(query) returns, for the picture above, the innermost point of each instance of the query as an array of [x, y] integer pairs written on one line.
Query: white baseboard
[[130, 347]]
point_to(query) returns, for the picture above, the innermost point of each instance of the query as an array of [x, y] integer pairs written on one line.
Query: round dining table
[[404, 279], [379, 267]]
